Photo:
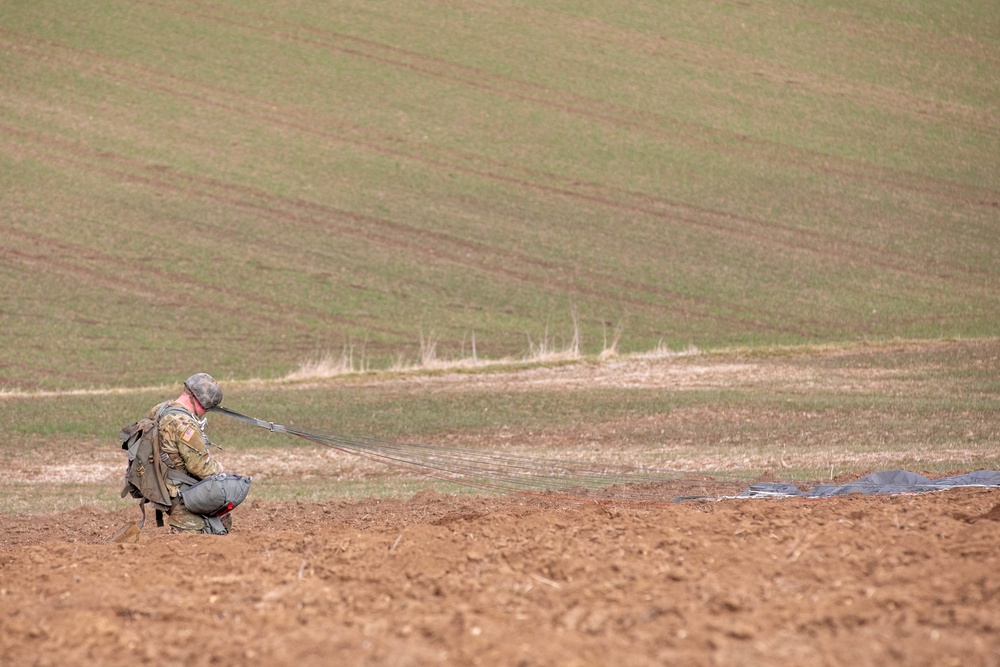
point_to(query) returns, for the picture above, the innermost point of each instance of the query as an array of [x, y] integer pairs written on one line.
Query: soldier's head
[[205, 390]]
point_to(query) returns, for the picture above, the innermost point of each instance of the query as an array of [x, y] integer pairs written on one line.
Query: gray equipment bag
[[217, 495]]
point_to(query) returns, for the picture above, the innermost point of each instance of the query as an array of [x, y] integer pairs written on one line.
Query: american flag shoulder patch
[[188, 434]]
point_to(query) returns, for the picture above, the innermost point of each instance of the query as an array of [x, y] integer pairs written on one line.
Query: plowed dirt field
[[512, 580]]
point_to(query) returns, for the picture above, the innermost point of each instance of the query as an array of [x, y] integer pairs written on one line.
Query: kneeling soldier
[[185, 447]]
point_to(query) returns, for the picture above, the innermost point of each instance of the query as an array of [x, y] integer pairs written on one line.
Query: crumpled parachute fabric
[[884, 482]]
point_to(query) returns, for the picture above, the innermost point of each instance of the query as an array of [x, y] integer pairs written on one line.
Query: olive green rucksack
[[146, 474]]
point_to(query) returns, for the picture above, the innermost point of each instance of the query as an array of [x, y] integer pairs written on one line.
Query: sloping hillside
[[241, 187]]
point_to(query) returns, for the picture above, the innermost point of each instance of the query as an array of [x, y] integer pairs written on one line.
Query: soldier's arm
[[192, 447]]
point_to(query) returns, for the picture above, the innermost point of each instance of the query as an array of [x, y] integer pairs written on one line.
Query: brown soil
[[512, 580]]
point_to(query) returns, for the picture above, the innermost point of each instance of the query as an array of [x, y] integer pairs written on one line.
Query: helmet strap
[[194, 399]]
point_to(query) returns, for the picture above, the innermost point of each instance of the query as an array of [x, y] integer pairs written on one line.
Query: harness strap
[[159, 509], [166, 409], [174, 475], [178, 477]]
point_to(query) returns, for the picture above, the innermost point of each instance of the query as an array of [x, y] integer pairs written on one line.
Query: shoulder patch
[[188, 434]]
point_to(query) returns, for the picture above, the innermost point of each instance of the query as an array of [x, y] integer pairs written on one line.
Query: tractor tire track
[[573, 287], [35, 371], [97, 267], [693, 134], [53, 255], [56, 256], [435, 245], [708, 57], [720, 222]]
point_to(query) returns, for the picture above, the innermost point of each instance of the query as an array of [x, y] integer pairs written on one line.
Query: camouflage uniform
[[184, 444]]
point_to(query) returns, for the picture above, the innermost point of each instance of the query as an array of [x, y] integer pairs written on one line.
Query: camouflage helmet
[[204, 388]]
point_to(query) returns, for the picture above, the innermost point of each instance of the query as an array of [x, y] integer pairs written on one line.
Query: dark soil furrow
[[791, 238], [684, 131], [401, 236]]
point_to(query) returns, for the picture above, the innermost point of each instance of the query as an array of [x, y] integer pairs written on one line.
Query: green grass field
[[244, 187], [241, 186]]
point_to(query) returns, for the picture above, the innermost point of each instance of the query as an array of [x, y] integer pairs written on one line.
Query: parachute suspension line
[[516, 473]]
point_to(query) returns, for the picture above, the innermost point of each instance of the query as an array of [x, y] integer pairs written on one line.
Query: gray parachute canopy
[[884, 482]]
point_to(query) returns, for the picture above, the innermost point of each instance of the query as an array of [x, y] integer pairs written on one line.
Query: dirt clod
[[457, 580]]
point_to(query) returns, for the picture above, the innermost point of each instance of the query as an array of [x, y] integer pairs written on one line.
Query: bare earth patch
[[514, 581], [434, 579]]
